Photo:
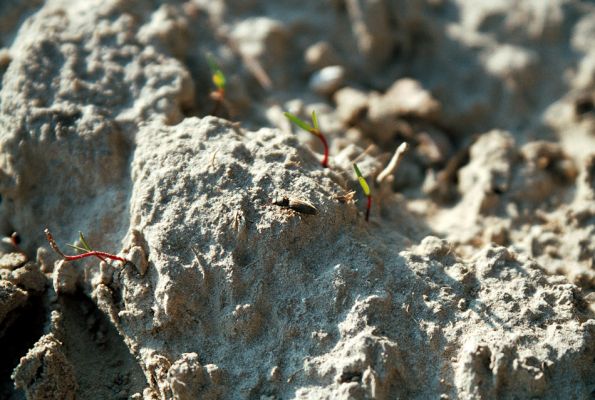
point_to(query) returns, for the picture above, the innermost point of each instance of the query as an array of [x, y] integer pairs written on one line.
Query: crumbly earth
[[474, 277]]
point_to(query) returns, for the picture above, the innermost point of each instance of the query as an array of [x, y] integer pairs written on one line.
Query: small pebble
[[320, 55], [12, 260], [5, 58], [65, 277], [275, 374], [138, 257], [462, 304], [327, 80]]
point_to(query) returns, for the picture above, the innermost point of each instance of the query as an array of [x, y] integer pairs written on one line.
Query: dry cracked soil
[[252, 272]]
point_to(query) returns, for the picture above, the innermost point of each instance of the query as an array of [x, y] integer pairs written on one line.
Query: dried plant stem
[[364, 153], [216, 108], [393, 164]]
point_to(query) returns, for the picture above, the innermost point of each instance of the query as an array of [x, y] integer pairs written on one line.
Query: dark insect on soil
[[300, 206]]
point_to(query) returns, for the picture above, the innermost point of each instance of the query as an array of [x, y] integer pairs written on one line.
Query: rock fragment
[[11, 297], [29, 277], [45, 373], [327, 80], [371, 29], [321, 54], [65, 277], [265, 40], [405, 97], [189, 379], [351, 104], [12, 261]]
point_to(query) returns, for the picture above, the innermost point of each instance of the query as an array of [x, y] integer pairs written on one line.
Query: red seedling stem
[[314, 130], [218, 96], [325, 144], [99, 254], [95, 253], [368, 208]]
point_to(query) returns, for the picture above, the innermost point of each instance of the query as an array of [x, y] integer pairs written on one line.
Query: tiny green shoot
[[86, 248], [220, 82], [365, 188], [217, 74], [313, 129]]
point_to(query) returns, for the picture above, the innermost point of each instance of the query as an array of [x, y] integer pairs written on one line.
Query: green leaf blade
[[362, 180], [315, 120], [84, 242], [217, 74], [304, 125], [219, 80], [74, 246]]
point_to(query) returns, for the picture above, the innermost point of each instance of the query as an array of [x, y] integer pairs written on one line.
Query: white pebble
[[327, 80]]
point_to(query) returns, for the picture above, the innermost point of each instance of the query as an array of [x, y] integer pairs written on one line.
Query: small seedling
[[220, 82], [86, 249], [365, 188], [313, 129]]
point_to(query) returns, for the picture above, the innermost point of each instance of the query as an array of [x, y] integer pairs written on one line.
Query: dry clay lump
[[45, 373], [235, 297], [11, 297], [338, 312]]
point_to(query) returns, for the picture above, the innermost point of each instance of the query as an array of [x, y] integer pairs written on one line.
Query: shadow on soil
[[26, 327]]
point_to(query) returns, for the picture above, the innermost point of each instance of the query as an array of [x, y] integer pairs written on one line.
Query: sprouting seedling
[[313, 129], [86, 249], [365, 188], [217, 76], [220, 82]]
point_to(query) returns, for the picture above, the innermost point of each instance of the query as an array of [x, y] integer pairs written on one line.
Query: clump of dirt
[[473, 279]]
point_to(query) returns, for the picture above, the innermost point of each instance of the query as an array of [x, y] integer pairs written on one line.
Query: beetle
[[298, 205]]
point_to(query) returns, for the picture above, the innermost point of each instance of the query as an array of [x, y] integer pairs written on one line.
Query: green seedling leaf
[[219, 79], [304, 125], [313, 130], [361, 180], [84, 242], [315, 121], [216, 74], [74, 246]]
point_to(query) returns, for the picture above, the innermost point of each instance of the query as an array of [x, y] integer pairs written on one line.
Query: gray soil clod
[[253, 274]]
